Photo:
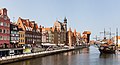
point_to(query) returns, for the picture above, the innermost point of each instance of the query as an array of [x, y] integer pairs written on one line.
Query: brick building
[[62, 30], [86, 36], [32, 31], [4, 29]]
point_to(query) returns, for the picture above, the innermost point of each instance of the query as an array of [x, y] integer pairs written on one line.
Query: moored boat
[[107, 49]]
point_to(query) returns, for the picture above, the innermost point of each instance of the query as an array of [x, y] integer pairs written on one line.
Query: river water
[[86, 56]]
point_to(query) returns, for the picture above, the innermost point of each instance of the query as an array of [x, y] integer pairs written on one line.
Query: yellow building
[[21, 37]]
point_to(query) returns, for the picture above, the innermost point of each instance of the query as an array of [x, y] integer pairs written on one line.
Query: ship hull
[[106, 51]]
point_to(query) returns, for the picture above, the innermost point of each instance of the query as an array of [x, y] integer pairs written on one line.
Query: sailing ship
[[107, 46], [107, 49]]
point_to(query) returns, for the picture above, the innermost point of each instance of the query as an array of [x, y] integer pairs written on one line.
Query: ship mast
[[104, 34], [116, 38], [110, 34]]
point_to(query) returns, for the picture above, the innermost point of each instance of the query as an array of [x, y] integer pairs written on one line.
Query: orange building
[[75, 37], [32, 31], [86, 36]]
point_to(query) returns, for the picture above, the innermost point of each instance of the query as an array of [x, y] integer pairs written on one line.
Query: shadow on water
[[106, 55]]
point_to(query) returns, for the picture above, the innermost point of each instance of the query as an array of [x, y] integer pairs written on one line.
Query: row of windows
[[4, 31], [21, 40], [4, 24], [33, 36], [21, 35], [37, 40], [4, 37], [14, 38], [14, 32], [27, 35]]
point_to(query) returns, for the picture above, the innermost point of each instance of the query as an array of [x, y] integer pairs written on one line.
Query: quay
[[15, 58]]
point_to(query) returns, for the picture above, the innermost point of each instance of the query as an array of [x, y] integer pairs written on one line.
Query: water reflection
[[86, 56]]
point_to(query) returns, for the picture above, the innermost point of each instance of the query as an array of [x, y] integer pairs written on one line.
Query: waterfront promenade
[[84, 56], [8, 59]]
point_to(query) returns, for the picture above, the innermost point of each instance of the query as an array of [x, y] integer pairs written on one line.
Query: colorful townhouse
[[32, 33], [4, 32], [4, 29]]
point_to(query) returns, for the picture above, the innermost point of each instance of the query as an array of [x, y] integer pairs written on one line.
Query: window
[[3, 31], [4, 24], [23, 35], [8, 25], [1, 23], [17, 38], [23, 40], [0, 30], [11, 38], [1, 38]]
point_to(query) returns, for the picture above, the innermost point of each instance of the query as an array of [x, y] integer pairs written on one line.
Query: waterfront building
[[73, 36], [32, 32], [14, 35], [86, 36], [62, 29], [4, 29], [78, 38], [51, 35], [47, 35], [21, 36]]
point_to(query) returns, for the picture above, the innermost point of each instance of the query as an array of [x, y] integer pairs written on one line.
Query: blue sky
[[92, 15]]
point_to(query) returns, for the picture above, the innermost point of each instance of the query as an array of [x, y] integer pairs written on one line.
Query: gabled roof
[[56, 23], [29, 25]]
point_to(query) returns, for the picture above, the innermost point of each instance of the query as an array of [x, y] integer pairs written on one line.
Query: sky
[[82, 15]]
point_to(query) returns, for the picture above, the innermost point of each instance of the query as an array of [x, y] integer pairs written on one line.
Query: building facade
[[47, 35], [32, 31], [21, 37], [4, 29], [62, 31], [14, 35]]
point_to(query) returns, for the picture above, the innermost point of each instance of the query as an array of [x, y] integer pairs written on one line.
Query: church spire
[[65, 20]]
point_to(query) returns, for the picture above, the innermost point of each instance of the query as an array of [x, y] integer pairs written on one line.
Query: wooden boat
[[107, 49], [107, 46]]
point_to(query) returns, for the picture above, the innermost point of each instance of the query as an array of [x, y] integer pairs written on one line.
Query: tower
[[65, 30], [65, 23]]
